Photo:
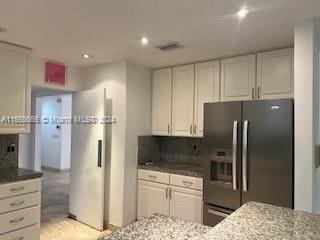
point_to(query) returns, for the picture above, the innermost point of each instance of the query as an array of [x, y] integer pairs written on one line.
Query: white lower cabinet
[[152, 198], [168, 199], [186, 204], [29, 233], [20, 210]]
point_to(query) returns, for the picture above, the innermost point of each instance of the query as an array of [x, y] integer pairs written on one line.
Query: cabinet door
[[186, 204], [161, 102], [14, 89], [152, 198], [207, 88], [275, 74], [238, 78], [182, 100]]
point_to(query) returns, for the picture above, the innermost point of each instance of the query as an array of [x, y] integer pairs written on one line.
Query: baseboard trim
[[56, 169], [112, 227]]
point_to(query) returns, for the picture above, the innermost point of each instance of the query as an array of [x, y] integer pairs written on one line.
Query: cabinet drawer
[[19, 202], [185, 181], [18, 188], [29, 233], [19, 219], [154, 176]]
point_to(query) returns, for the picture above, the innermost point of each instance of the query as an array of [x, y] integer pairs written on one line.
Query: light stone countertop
[[253, 221], [190, 170], [262, 221], [159, 227]]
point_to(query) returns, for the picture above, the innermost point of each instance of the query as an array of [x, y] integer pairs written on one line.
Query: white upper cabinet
[[275, 74], [207, 88], [238, 78], [161, 102], [182, 100], [179, 93], [14, 87]]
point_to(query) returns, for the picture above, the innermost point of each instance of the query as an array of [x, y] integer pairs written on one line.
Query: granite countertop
[[262, 221], [175, 168], [250, 222], [8, 175], [159, 227]]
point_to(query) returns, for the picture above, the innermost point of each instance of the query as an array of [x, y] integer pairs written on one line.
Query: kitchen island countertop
[[159, 227], [250, 222], [263, 221]]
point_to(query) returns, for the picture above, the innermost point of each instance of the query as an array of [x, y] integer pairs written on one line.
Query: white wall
[[128, 85], [36, 76], [138, 123], [113, 78], [306, 74], [66, 133], [50, 135]]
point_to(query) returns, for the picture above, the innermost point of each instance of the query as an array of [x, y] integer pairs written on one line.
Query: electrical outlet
[[13, 147], [317, 156]]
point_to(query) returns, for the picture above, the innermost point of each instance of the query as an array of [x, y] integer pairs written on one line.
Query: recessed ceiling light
[[243, 12], [86, 56], [144, 40]]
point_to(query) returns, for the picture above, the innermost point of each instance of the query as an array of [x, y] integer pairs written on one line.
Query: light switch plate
[[317, 156]]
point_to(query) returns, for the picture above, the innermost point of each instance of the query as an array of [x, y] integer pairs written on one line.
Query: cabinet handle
[[17, 189], [152, 176], [166, 193], [187, 183], [169, 128], [17, 204], [258, 92], [17, 220], [252, 93], [170, 193], [195, 129], [190, 129]]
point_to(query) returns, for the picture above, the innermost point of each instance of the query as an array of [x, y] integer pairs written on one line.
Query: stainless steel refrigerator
[[249, 149]]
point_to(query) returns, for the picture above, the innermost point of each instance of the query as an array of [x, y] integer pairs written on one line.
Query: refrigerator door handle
[[244, 156], [234, 155]]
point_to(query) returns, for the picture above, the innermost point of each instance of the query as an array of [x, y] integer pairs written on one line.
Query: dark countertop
[[159, 227], [9, 175], [250, 222], [175, 168]]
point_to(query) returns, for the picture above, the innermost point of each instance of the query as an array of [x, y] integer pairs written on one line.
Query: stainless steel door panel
[[222, 140], [269, 158]]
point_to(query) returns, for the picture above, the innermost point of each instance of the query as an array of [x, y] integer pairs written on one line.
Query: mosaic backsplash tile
[[170, 149], [8, 160]]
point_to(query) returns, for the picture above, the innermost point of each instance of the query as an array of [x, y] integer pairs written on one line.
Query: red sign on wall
[[56, 73]]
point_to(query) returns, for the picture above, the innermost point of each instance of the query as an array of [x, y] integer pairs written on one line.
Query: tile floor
[[55, 225]]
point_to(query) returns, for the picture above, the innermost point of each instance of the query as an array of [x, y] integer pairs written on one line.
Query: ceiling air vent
[[170, 46]]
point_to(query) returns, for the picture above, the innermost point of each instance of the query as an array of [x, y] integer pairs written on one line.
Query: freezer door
[[214, 215], [267, 152], [222, 165]]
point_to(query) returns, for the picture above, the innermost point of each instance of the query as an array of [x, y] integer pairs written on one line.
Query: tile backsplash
[[8, 159], [182, 150]]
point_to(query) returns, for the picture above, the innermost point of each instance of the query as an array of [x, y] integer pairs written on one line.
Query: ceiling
[[110, 30]]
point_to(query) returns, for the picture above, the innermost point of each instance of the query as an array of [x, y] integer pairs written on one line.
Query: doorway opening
[[51, 154]]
